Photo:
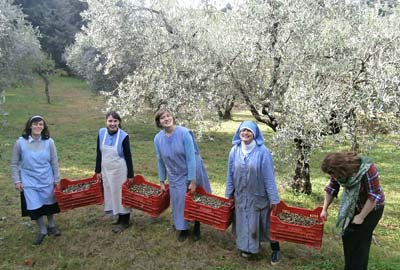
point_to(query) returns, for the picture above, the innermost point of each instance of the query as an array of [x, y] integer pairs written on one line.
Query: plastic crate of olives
[[208, 209], [297, 225], [78, 193], [145, 196]]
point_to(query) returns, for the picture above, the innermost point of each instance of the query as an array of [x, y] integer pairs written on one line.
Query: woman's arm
[[54, 161], [15, 160], [268, 172], [98, 157], [190, 160], [327, 201], [368, 207], [162, 175], [230, 188], [126, 149]]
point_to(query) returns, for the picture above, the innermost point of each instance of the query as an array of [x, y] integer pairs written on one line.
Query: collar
[[247, 148], [111, 133], [31, 139]]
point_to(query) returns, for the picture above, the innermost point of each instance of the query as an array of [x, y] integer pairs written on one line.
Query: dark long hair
[[341, 164], [28, 130], [114, 115]]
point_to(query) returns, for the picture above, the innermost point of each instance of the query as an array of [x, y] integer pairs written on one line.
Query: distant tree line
[[58, 21]]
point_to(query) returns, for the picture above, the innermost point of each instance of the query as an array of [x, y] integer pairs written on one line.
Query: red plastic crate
[[152, 205], [219, 218], [306, 235], [90, 196]]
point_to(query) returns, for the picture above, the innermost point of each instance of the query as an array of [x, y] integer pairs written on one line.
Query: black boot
[[196, 231], [276, 253], [182, 235], [123, 224]]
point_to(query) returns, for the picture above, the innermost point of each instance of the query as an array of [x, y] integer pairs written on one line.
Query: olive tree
[[20, 50], [305, 68], [312, 68]]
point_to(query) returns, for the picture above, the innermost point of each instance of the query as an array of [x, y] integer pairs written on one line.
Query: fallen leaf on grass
[[29, 262]]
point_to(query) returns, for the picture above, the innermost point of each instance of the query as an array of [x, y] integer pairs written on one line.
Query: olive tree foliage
[[317, 67], [178, 54], [307, 68], [85, 61], [91, 54], [20, 50]]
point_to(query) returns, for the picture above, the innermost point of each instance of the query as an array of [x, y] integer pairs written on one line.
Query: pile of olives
[[297, 219], [79, 187], [210, 201], [145, 190]]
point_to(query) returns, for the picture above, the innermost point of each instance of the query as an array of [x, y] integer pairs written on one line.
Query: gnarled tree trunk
[[224, 112], [46, 85], [301, 180]]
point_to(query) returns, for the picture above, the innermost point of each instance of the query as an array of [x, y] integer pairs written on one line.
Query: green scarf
[[350, 194]]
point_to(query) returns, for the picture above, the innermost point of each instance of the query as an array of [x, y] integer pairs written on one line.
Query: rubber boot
[[196, 231], [123, 224]]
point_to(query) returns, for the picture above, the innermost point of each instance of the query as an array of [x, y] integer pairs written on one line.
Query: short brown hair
[[158, 115], [341, 164]]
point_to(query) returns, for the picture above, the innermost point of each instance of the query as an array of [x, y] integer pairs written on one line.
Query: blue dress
[[38, 171], [251, 182], [179, 160]]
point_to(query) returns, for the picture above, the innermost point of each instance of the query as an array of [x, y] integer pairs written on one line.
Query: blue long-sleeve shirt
[[175, 155]]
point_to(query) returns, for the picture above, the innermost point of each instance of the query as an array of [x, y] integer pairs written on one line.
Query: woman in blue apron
[[251, 183], [113, 167], [34, 169], [179, 160]]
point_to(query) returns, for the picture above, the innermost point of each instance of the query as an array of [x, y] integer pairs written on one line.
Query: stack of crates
[[153, 205], [219, 218], [77, 193], [306, 235]]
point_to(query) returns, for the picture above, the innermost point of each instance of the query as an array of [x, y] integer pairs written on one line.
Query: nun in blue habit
[[250, 182], [179, 161]]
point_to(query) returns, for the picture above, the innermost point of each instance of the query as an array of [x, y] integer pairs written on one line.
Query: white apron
[[114, 171]]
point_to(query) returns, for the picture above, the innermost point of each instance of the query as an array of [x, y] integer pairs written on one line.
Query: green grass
[[87, 242]]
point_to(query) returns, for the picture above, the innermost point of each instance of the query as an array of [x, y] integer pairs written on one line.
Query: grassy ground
[[87, 241]]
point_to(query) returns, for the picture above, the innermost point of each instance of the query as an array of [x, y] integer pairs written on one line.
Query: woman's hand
[[99, 176], [130, 181], [19, 187], [58, 185], [358, 220], [192, 186], [162, 186], [324, 214]]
